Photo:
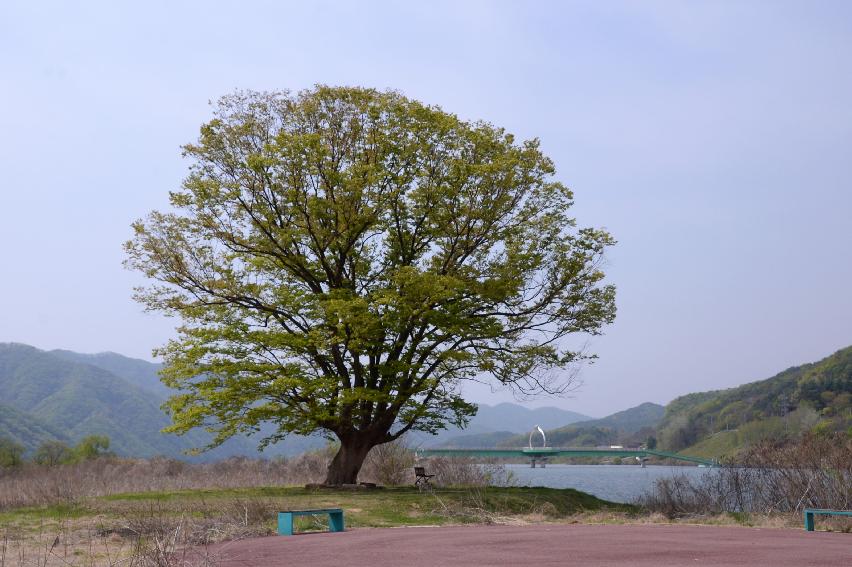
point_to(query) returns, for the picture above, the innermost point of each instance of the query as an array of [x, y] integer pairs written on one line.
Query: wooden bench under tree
[[422, 480], [811, 512], [285, 519]]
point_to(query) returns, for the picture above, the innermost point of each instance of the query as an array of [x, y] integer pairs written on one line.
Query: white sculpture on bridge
[[543, 436], [541, 460]]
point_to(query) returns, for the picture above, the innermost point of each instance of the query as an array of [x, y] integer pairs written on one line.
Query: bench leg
[[335, 522], [285, 523], [809, 521]]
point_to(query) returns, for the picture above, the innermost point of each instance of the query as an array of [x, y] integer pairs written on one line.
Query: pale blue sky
[[711, 138]]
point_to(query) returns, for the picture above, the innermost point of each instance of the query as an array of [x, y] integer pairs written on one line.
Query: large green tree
[[343, 258]]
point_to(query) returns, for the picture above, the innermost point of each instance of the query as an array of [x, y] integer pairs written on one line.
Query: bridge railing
[[536, 452]]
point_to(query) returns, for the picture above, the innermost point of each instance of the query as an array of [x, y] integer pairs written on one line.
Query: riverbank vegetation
[[36, 483], [111, 511], [770, 478]]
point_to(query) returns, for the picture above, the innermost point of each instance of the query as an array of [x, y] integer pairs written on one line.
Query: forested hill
[[25, 429], [500, 420], [632, 426], [140, 373], [628, 427], [811, 397], [76, 399], [494, 424], [64, 395]]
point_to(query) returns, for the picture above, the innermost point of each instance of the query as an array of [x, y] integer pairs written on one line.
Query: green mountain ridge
[[140, 373], [811, 397], [63, 395], [488, 420], [145, 375], [630, 426], [631, 420], [80, 399], [25, 429], [492, 424], [477, 440], [110, 394], [815, 396]]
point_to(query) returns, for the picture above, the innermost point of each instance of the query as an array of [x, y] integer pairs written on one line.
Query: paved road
[[586, 545]]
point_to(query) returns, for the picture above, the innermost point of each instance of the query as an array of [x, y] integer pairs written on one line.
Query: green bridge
[[541, 454]]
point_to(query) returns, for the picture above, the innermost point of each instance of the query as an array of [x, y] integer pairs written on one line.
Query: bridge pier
[[541, 460]]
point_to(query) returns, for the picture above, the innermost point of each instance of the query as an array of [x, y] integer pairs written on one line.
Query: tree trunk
[[346, 464]]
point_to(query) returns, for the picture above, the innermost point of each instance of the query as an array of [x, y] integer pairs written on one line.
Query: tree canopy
[[342, 258], [11, 453]]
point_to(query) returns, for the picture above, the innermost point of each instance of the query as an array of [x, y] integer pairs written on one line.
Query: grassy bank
[[141, 513], [152, 528], [140, 526], [256, 507]]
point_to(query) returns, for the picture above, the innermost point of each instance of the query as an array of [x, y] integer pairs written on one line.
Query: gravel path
[[586, 545]]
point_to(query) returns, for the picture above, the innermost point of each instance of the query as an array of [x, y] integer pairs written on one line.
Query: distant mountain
[[493, 423], [629, 427], [62, 395], [140, 373], [25, 429], [79, 399], [810, 397], [67, 395], [815, 396], [643, 416], [145, 375], [477, 440], [513, 417]]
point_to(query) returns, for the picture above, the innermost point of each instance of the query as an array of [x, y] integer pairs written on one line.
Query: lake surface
[[617, 483]]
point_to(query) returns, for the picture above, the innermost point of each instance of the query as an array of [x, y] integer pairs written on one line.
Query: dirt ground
[[587, 545]]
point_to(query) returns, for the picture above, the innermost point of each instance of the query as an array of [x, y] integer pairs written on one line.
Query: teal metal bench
[[285, 519], [811, 512]]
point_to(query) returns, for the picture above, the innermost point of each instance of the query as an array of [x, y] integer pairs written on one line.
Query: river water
[[617, 483]]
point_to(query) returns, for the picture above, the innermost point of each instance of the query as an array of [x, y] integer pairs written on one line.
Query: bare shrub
[[466, 471], [161, 527], [35, 485], [250, 513], [473, 507], [163, 538], [767, 478], [165, 542], [163, 545], [390, 464]]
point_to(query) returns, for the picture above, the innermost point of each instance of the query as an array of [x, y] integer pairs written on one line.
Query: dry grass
[[162, 512], [78, 544], [768, 480], [139, 533], [390, 464], [167, 528], [59, 515], [34, 485]]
